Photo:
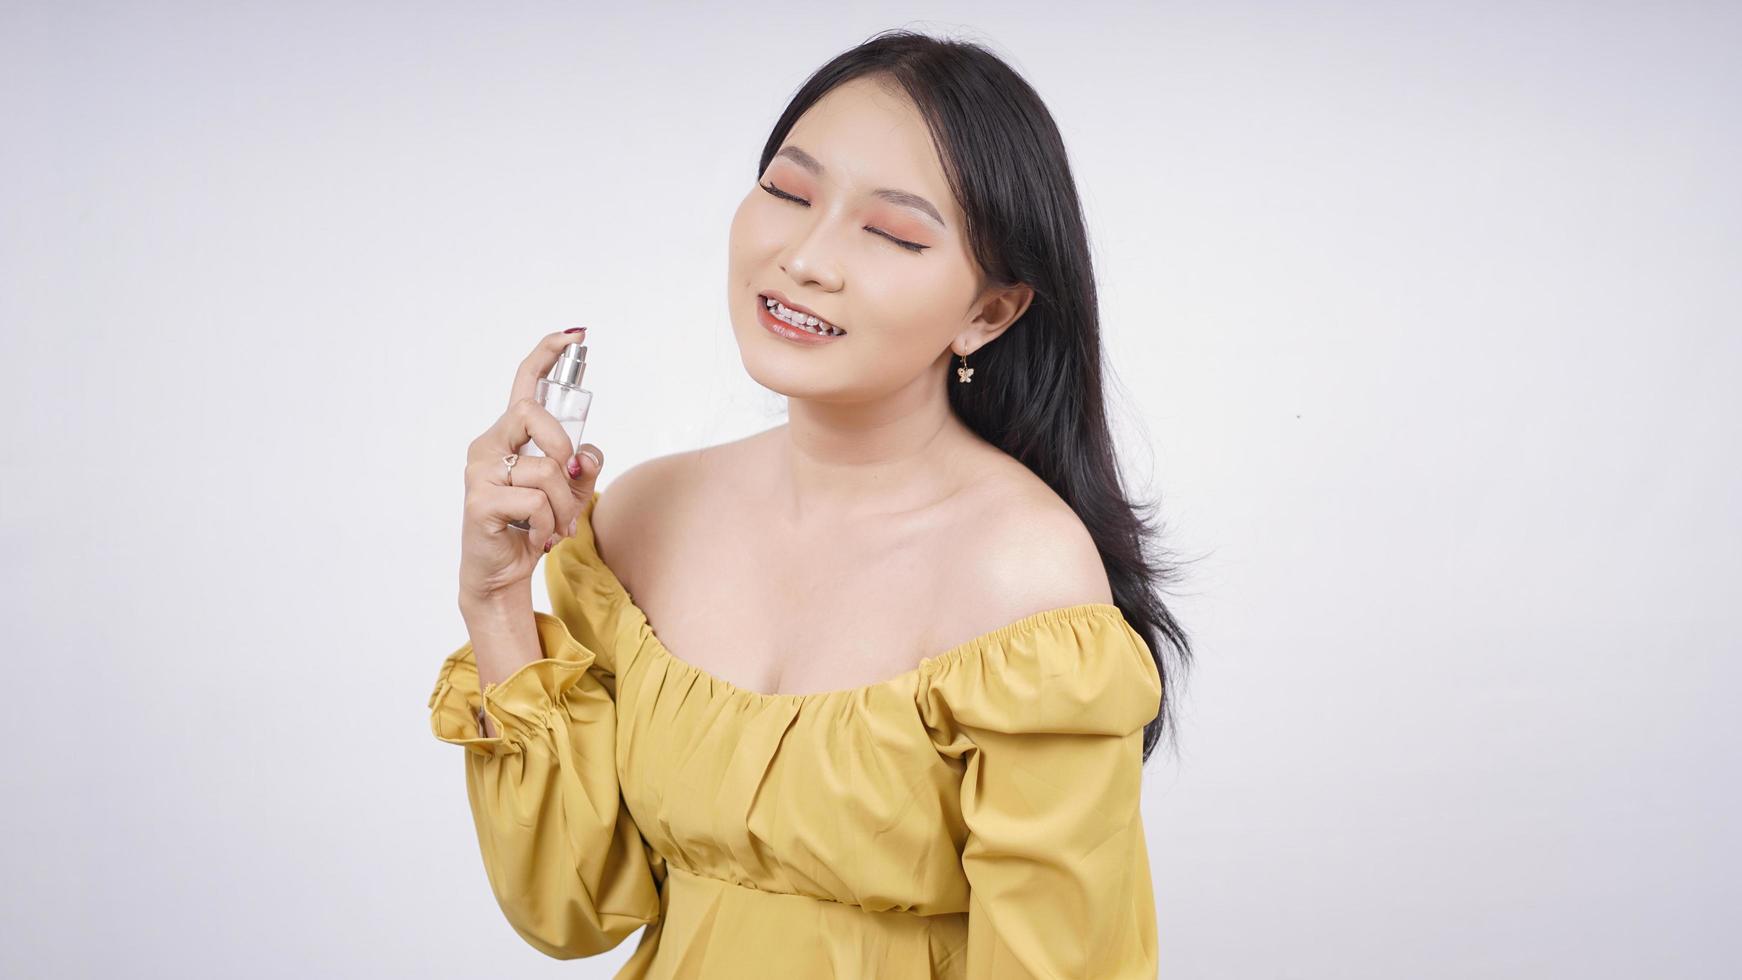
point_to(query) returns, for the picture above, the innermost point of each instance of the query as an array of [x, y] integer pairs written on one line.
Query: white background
[[1423, 324]]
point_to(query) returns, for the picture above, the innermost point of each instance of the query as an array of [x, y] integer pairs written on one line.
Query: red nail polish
[[548, 542], [574, 330]]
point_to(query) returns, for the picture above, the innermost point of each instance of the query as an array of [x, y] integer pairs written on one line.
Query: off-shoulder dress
[[974, 818]]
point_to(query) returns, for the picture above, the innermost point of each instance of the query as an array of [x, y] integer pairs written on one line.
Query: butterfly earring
[[964, 373]]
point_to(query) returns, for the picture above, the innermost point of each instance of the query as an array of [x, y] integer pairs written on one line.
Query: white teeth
[[809, 324]]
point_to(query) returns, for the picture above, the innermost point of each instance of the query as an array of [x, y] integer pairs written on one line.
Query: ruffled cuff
[[521, 705]]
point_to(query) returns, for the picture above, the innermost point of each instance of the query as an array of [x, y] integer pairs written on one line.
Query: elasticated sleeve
[[1048, 724], [563, 855]]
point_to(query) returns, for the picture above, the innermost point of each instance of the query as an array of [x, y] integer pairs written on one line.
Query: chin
[[791, 380], [770, 364]]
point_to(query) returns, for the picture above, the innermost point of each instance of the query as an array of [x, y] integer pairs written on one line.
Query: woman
[[892, 720]]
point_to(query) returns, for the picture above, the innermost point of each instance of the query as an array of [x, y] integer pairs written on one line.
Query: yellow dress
[[976, 817]]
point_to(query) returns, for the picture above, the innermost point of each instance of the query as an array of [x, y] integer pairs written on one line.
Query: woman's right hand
[[546, 491]]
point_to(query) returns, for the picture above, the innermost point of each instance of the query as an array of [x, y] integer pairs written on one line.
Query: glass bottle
[[561, 394]]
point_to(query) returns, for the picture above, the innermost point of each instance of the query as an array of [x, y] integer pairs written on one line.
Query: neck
[[844, 460]]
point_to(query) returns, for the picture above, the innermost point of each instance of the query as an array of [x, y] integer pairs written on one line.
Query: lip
[[786, 331], [775, 294]]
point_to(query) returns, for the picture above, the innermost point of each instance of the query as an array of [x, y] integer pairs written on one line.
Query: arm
[[504, 638], [1047, 725], [563, 855], [1056, 859]]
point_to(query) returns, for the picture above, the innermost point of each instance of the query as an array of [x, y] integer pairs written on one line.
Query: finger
[[583, 470], [485, 475], [529, 504], [525, 421], [539, 517], [546, 432], [546, 475], [583, 475], [537, 364]]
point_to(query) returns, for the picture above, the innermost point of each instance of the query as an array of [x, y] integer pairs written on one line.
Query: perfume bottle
[[561, 394]]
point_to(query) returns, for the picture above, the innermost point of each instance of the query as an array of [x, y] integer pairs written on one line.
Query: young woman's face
[[860, 248]]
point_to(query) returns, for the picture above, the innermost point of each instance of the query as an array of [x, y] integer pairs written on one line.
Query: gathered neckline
[[590, 556]]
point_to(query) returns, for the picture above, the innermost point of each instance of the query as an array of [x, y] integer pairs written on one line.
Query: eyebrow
[[901, 198]]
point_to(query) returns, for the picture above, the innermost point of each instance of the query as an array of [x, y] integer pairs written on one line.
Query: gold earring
[[964, 373]]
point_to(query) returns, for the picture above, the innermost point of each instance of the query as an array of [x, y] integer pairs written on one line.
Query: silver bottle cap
[[570, 366]]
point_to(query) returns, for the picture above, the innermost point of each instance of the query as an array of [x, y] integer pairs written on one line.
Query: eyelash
[[777, 192]]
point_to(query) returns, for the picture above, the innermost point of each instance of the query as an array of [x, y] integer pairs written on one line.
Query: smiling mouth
[[799, 321]]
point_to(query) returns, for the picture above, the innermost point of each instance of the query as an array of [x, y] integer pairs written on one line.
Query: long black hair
[[1038, 394]]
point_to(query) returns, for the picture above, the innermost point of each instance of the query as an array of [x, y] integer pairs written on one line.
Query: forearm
[[504, 638]]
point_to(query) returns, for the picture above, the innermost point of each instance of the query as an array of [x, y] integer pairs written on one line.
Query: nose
[[809, 262]]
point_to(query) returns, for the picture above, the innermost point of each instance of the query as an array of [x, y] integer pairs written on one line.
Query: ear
[[1002, 306]]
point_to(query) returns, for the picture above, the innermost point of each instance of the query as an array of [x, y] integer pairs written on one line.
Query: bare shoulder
[[640, 511], [635, 507], [1026, 550]]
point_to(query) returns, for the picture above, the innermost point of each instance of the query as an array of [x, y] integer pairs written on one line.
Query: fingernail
[[574, 467], [574, 330], [590, 454], [547, 545]]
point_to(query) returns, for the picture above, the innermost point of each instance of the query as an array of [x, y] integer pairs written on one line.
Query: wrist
[[493, 607]]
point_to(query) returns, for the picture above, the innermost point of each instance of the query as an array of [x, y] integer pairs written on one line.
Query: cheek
[[913, 303], [753, 227], [749, 231], [735, 234]]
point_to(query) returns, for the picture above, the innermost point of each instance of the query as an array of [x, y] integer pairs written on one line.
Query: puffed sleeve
[[563, 855], [1048, 724]]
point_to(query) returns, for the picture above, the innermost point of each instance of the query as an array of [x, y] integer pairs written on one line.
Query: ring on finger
[[508, 474]]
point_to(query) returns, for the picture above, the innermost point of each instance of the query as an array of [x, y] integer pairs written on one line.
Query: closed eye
[[777, 192]]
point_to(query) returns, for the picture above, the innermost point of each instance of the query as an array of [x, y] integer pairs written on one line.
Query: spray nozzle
[[570, 366]]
